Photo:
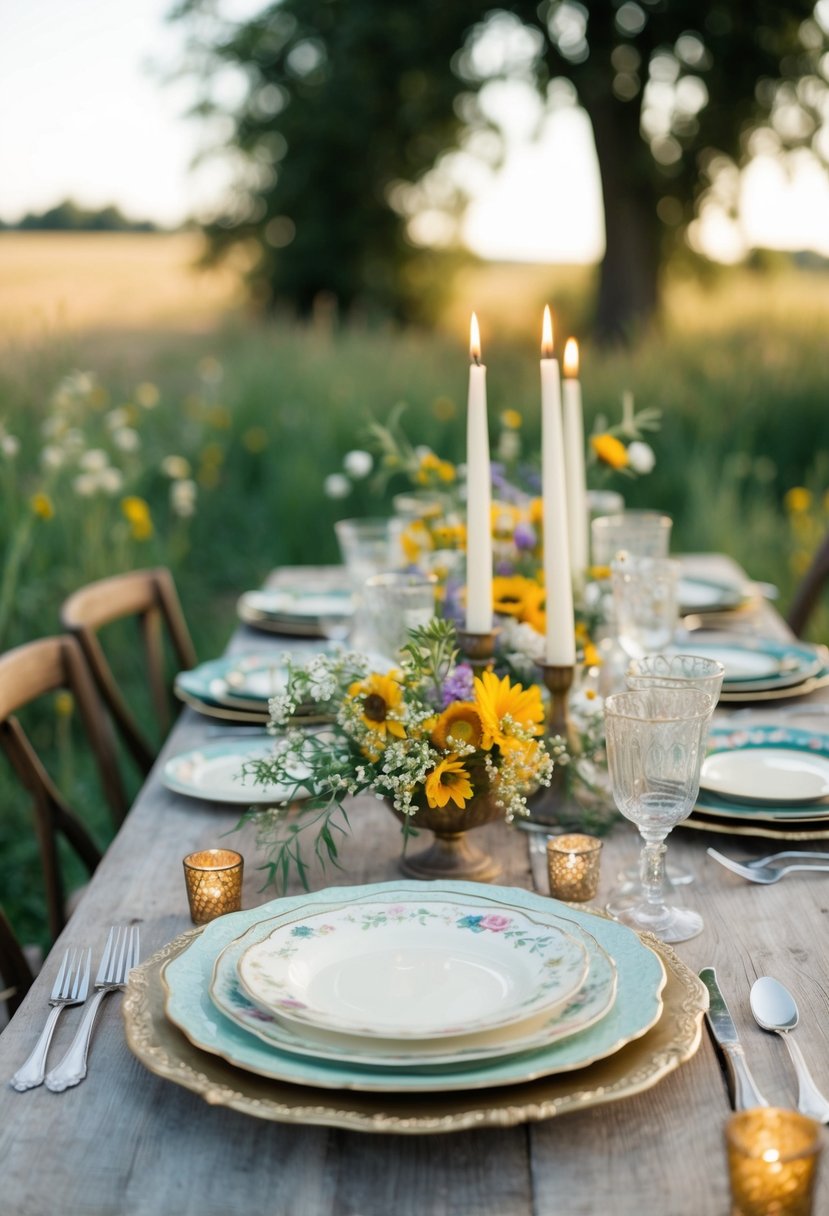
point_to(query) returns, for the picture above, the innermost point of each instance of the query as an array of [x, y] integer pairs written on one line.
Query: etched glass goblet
[[645, 602], [655, 748]]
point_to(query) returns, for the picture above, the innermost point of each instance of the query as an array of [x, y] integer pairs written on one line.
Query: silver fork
[[70, 988], [119, 957], [763, 874]]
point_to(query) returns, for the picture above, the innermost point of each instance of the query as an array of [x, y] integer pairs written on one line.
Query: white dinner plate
[[593, 1000], [774, 774], [707, 595], [637, 1007], [761, 665], [300, 606], [417, 968], [214, 772]]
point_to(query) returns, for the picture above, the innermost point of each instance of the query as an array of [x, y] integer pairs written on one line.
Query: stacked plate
[[237, 689], [764, 669], [709, 597], [410, 990], [765, 781], [302, 613], [214, 773]]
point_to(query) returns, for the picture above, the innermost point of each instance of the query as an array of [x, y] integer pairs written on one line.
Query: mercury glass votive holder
[[214, 883], [772, 1162], [573, 866]]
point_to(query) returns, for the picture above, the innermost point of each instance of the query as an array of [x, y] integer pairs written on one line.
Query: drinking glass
[[673, 671], [655, 747], [368, 546], [396, 603], [645, 602], [640, 533]]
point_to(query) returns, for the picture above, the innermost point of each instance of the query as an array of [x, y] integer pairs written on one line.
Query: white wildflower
[[73, 442], [126, 439], [183, 498], [118, 418], [641, 456], [93, 460], [175, 467], [509, 445], [358, 464], [85, 485], [111, 480], [53, 427], [52, 457], [10, 445], [336, 485]]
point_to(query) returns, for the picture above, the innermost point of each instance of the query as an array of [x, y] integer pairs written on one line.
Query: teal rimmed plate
[[759, 665], [214, 773], [765, 740], [638, 1004], [708, 595]]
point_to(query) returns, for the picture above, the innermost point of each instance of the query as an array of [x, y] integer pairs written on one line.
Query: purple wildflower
[[459, 685], [525, 536]]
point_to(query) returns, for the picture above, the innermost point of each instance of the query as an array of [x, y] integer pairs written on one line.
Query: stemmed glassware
[[655, 748], [672, 671]]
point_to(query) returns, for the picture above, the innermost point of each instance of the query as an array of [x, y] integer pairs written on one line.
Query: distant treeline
[[69, 217]]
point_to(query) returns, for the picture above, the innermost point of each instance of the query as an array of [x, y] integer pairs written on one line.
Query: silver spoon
[[775, 1010]]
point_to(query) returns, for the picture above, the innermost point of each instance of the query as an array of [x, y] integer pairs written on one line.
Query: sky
[[84, 114]]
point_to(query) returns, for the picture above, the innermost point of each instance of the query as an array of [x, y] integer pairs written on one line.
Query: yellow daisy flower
[[137, 513], [380, 695], [449, 780], [498, 699], [42, 506], [610, 450], [511, 419], [460, 723], [797, 499]]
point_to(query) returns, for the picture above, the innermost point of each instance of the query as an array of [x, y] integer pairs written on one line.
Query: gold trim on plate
[[641, 1064], [730, 827]]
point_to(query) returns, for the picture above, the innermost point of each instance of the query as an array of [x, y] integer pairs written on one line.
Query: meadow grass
[[263, 412]]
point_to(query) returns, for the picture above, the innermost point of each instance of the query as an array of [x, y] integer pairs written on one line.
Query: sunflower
[[380, 696], [510, 595], [460, 723], [448, 781], [498, 699]]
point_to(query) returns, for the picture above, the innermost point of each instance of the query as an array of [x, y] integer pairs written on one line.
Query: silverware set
[[71, 987], [766, 870], [775, 1010]]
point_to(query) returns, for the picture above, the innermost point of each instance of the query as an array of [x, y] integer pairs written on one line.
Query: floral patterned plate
[[588, 1006], [637, 1008], [417, 968]]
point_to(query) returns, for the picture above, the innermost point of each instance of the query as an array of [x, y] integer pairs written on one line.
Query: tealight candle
[[573, 866], [772, 1162], [214, 883]]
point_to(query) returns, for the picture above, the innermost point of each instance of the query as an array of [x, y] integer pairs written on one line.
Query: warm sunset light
[[547, 334], [571, 358], [474, 340]]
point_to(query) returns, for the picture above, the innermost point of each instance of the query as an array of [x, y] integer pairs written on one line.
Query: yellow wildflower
[[511, 419], [460, 723], [147, 395], [446, 470], [449, 780], [415, 541], [497, 699], [380, 696], [443, 408], [592, 658], [798, 499], [537, 512], [610, 450], [42, 506], [64, 703], [255, 439], [219, 417], [137, 512]]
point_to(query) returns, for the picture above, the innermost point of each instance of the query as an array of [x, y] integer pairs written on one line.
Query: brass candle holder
[[552, 805], [477, 649], [573, 866], [772, 1162], [213, 878]]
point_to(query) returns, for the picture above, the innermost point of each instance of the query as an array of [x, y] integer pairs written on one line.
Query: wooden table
[[125, 1141]]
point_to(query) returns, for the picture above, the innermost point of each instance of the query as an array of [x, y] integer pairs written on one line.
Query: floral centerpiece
[[448, 749]]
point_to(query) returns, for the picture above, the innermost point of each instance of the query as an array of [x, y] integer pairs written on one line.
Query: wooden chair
[[151, 596], [15, 973], [27, 673], [808, 592]]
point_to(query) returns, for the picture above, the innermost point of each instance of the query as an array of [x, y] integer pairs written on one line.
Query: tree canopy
[[348, 106]]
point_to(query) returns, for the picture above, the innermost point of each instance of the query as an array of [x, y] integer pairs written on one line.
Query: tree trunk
[[629, 276]]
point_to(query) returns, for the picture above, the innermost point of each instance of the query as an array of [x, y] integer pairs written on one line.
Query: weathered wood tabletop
[[127, 1142]]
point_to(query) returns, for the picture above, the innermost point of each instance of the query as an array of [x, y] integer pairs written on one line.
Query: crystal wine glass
[[672, 671], [655, 747], [645, 602]]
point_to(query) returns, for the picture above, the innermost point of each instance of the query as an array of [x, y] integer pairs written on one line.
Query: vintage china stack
[[237, 689], [768, 781], [763, 669], [300, 613], [407, 1007]]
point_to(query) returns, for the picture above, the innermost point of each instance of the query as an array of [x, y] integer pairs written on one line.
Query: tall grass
[[263, 413]]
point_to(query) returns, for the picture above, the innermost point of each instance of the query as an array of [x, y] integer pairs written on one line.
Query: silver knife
[[744, 1092]]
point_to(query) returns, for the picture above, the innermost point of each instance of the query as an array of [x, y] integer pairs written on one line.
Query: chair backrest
[[27, 673], [808, 591], [15, 973], [149, 595]]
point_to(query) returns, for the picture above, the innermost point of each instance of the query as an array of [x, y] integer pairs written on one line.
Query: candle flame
[[571, 358], [474, 340], [547, 334]]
